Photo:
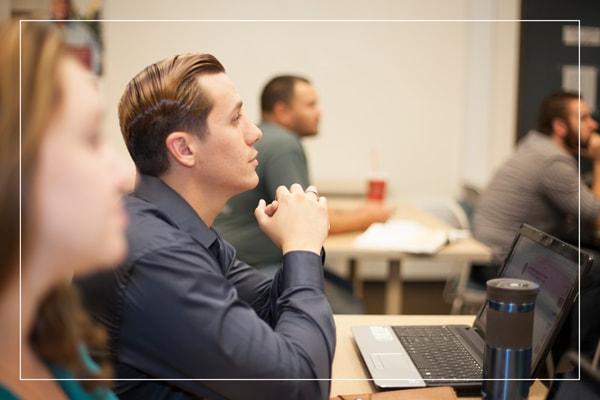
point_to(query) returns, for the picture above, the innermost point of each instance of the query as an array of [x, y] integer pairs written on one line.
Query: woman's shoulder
[[6, 394], [73, 388], [75, 391]]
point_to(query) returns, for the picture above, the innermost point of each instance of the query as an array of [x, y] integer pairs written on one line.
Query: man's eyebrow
[[238, 106]]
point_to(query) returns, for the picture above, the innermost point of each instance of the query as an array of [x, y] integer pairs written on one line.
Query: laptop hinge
[[471, 339]]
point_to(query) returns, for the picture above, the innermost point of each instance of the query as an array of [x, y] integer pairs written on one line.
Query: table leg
[[393, 289], [461, 285], [357, 283]]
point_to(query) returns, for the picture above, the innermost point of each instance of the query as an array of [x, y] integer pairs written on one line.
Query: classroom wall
[[4, 10], [434, 100]]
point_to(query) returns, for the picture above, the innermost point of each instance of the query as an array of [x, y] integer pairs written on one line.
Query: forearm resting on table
[[348, 220]]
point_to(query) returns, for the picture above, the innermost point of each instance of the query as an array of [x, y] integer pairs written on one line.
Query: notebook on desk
[[452, 355], [403, 235]]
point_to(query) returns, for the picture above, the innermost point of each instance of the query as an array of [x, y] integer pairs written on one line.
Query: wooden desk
[[348, 365], [464, 251]]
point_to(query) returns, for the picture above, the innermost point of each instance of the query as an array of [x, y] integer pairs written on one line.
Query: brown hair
[[163, 98], [555, 105], [40, 50], [60, 324], [280, 88]]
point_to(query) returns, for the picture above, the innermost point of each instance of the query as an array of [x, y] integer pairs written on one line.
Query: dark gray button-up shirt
[[183, 306]]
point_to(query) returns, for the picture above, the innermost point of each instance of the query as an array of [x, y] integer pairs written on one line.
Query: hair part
[[165, 97], [279, 89], [555, 105]]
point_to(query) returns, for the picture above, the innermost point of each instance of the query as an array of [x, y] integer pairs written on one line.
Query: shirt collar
[[170, 203], [540, 137], [276, 126]]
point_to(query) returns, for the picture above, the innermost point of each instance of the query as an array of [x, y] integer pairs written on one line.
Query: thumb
[[260, 212], [272, 208]]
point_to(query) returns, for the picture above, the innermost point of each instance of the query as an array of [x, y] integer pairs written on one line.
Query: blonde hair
[[41, 51], [164, 97], [60, 325]]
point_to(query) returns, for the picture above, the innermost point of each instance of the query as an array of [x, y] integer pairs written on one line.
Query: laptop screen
[[543, 262]]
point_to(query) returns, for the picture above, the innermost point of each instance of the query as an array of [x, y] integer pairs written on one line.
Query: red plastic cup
[[376, 188]]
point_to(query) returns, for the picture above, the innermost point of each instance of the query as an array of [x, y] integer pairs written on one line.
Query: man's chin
[[249, 185], [575, 146], [254, 184]]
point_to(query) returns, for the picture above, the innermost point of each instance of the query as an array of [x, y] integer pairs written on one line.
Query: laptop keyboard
[[438, 354]]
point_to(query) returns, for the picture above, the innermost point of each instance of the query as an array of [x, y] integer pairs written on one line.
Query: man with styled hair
[[183, 306]]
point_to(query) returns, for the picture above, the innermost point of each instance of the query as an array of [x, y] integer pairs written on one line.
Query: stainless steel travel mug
[[508, 338]]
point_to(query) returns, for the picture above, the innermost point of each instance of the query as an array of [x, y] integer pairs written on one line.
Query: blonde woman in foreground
[[72, 218]]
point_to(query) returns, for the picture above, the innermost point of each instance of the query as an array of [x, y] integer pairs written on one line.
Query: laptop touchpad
[[397, 361], [387, 361]]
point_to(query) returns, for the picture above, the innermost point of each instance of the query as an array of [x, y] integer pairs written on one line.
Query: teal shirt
[[72, 388], [281, 161], [5, 394]]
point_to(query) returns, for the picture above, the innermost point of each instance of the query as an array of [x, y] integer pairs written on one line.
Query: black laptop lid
[[551, 263]]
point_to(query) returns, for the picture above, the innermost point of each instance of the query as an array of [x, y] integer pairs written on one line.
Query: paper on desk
[[402, 235]]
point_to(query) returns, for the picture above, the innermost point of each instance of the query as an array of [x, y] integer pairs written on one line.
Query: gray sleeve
[[561, 184], [284, 168]]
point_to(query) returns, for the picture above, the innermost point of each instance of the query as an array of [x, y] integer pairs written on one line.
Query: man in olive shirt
[[290, 112], [280, 159]]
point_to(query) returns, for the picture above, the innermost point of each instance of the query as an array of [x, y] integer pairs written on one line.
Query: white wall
[[436, 100], [491, 89], [4, 10]]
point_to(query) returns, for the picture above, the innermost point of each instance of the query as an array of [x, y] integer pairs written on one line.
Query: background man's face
[[588, 125], [304, 108]]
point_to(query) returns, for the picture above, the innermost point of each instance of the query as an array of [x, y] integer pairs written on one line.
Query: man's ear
[[559, 127], [281, 112], [181, 148]]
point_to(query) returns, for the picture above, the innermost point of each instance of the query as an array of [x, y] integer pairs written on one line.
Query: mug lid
[[511, 290]]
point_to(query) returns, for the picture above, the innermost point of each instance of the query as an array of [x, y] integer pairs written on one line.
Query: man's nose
[[254, 134]]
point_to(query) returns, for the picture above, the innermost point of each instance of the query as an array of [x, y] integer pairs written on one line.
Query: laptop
[[452, 355]]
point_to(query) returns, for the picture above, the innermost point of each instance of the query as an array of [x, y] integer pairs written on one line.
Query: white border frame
[[292, 21]]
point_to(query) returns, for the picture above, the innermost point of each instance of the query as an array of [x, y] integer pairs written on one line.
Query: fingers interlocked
[[297, 188], [312, 189]]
